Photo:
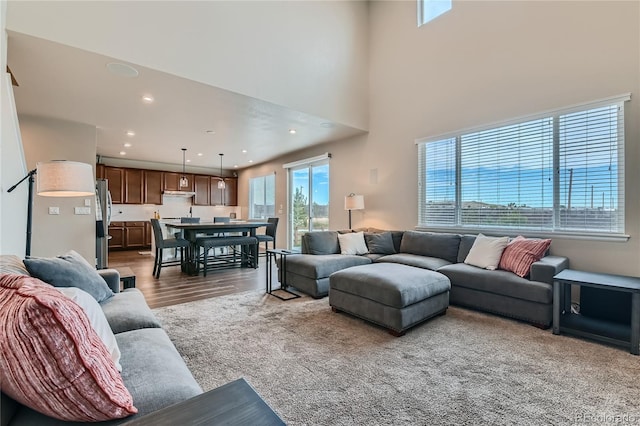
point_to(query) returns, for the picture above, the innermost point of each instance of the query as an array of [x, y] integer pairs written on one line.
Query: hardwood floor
[[174, 287]]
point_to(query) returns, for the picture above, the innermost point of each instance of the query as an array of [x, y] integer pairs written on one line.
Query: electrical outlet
[[54, 210], [82, 210]]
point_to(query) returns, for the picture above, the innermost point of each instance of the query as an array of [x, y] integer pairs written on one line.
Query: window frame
[[556, 230], [256, 180]]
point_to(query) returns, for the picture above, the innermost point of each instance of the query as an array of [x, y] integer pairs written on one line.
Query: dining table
[[191, 231]]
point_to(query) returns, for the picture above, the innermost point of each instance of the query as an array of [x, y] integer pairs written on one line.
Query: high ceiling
[[67, 83]]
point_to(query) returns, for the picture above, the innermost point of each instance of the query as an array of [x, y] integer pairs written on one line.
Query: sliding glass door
[[308, 200]]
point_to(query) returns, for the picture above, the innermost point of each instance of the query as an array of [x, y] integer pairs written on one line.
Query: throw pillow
[[352, 243], [486, 251], [69, 270], [96, 318], [521, 253], [55, 363], [379, 243]]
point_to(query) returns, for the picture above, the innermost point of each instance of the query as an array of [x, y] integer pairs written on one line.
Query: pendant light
[[221, 183], [184, 182]]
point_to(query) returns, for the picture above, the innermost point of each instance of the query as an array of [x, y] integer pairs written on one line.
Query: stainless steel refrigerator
[[103, 219]]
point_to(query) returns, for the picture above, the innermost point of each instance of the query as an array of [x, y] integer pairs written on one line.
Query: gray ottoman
[[392, 295]]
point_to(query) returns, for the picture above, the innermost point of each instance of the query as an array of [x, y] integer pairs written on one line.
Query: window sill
[[618, 238]]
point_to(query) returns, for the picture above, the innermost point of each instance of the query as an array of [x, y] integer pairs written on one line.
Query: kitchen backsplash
[[171, 207]]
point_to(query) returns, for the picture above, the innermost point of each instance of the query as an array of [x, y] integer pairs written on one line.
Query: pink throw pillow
[[51, 359], [521, 253]]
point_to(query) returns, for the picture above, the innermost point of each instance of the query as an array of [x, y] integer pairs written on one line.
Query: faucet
[[191, 211]]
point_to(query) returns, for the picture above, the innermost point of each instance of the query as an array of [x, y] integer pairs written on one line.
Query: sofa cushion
[[466, 242], [69, 270], [444, 246], [486, 252], [521, 253], [352, 243], [424, 262], [320, 242], [317, 267], [10, 264], [128, 310], [56, 363], [390, 284], [380, 243], [498, 282], [96, 318]]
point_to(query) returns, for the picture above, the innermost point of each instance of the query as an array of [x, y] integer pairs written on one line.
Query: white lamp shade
[[65, 179], [354, 202]]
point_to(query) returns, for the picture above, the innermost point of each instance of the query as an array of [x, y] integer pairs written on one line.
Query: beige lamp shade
[[354, 202], [65, 179]]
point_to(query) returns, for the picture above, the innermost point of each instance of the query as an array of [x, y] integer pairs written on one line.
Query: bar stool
[[166, 243]]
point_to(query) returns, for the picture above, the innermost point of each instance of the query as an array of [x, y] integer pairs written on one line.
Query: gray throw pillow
[[69, 270], [379, 242]]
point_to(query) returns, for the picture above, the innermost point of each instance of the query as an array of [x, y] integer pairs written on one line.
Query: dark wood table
[[235, 403], [627, 335], [191, 231]]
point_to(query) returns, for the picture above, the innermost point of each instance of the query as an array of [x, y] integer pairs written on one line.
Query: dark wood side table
[[127, 277], [271, 258], [626, 335], [235, 403]]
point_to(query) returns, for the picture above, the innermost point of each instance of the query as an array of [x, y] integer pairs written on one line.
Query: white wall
[[48, 139], [483, 62], [309, 56], [13, 206]]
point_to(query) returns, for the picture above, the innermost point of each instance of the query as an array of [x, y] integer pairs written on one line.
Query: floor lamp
[[353, 202], [57, 179]]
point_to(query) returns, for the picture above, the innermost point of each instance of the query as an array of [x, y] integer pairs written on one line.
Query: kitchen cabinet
[[152, 187], [215, 195], [133, 188], [202, 189], [231, 191], [115, 176], [130, 235], [99, 171], [172, 182], [116, 232]]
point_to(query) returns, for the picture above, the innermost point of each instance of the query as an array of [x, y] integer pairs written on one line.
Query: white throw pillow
[[486, 252], [352, 243], [96, 318]]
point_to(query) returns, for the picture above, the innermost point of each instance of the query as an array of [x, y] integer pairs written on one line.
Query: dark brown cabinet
[[116, 232], [216, 194], [99, 171], [130, 235], [133, 188], [172, 182], [115, 176], [231, 191], [152, 187], [202, 189]]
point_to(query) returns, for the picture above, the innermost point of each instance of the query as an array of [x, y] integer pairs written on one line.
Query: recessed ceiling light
[[123, 153], [147, 99], [123, 70], [188, 161], [131, 133], [127, 145], [211, 132], [292, 131], [244, 151], [235, 166], [251, 161], [200, 154]]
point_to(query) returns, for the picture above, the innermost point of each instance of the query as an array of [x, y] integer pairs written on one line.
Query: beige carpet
[[315, 367]]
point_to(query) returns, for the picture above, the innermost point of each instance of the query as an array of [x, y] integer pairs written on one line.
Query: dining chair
[[166, 243], [269, 235]]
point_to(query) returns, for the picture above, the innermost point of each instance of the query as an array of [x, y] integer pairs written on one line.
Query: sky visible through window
[[320, 193], [431, 9]]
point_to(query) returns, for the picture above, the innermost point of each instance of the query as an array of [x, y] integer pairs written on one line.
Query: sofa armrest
[[112, 278], [546, 268]]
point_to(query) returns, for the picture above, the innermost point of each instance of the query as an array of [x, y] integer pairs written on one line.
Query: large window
[[262, 197], [429, 10], [557, 172]]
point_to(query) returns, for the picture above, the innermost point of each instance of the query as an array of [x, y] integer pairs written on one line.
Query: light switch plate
[[54, 210], [82, 210], [87, 202]]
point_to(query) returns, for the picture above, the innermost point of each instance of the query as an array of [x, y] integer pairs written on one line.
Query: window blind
[[562, 171]]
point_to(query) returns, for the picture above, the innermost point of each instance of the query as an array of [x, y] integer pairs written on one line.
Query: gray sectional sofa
[[500, 292], [152, 369]]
